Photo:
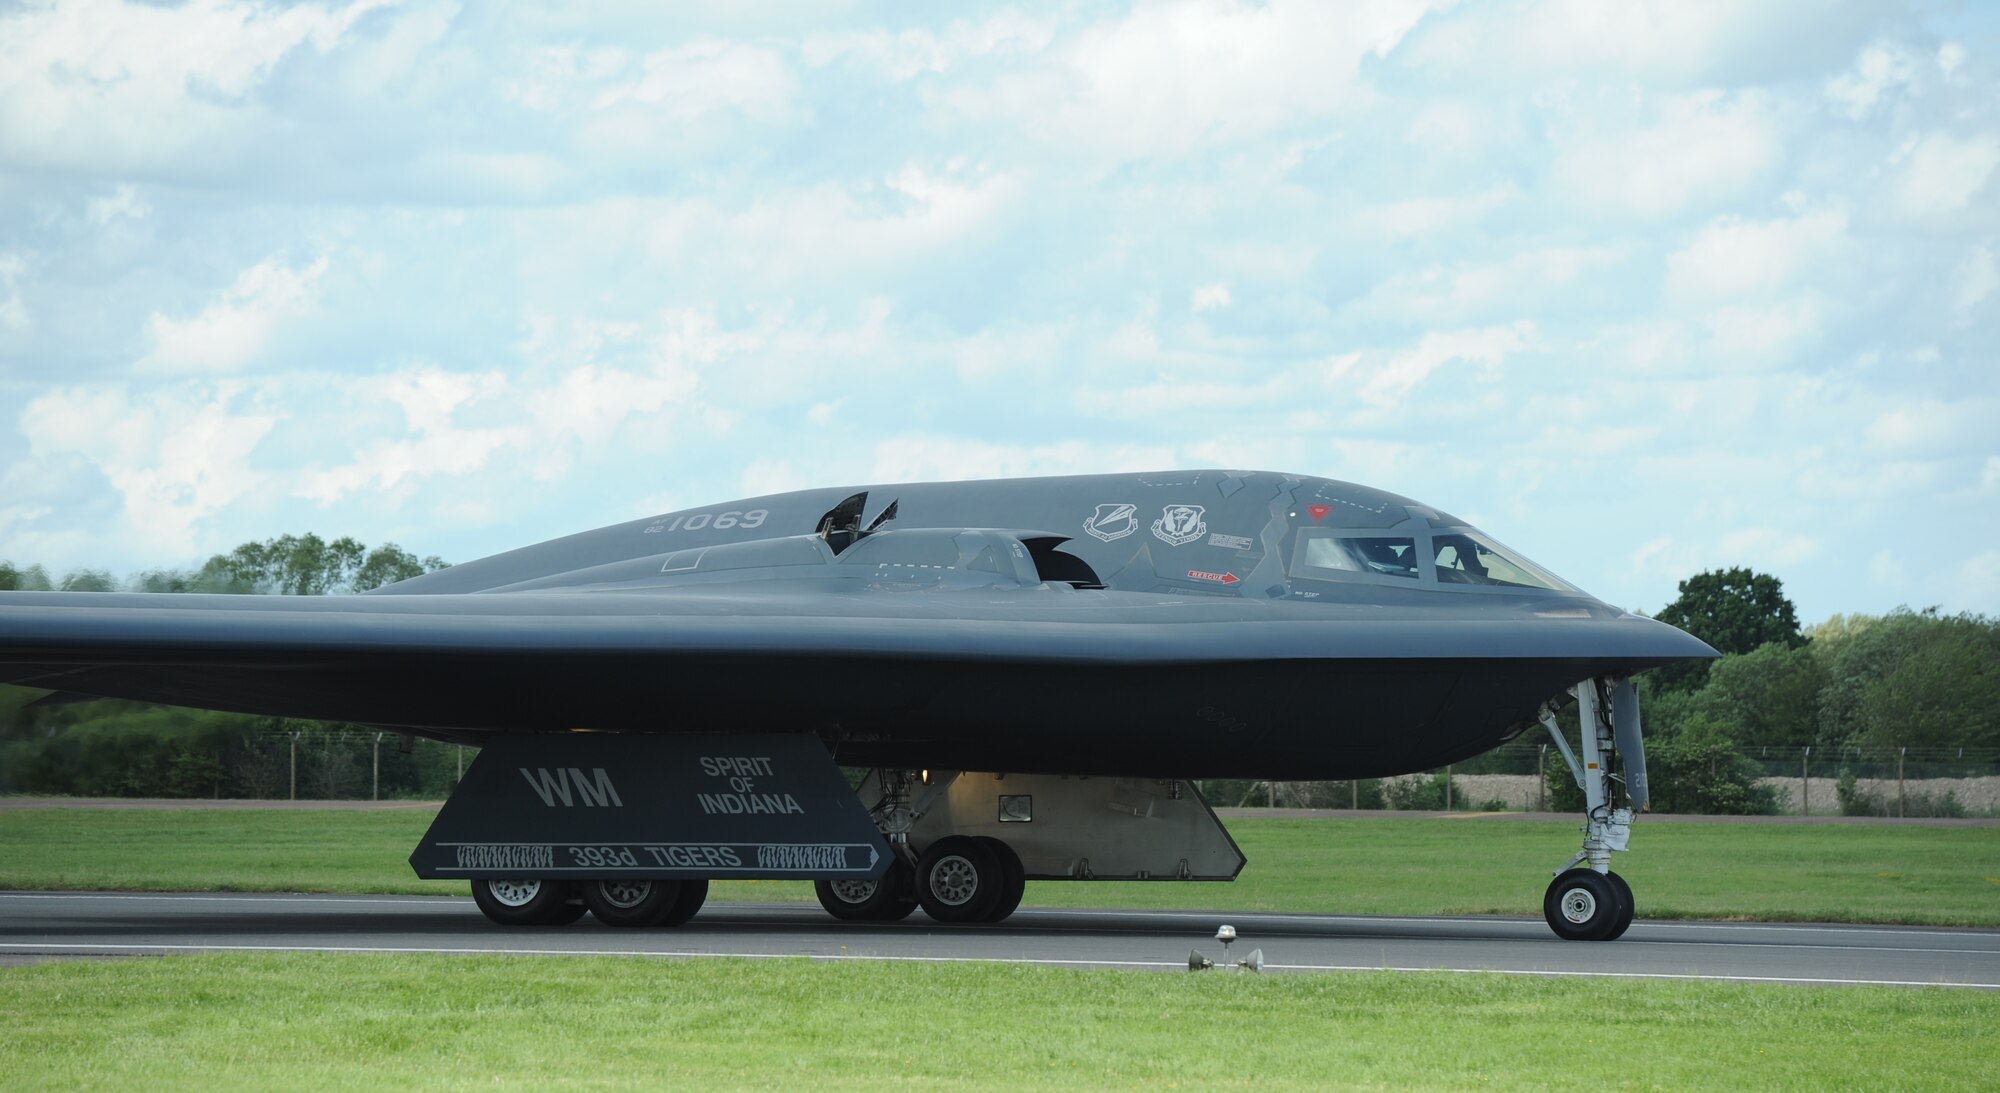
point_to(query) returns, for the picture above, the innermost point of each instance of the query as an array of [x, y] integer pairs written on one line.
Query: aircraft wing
[[748, 654]]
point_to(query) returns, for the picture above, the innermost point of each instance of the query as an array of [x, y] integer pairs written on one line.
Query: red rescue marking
[[1225, 578], [1319, 511]]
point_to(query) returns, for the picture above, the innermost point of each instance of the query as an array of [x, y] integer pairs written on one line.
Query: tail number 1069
[[720, 521]]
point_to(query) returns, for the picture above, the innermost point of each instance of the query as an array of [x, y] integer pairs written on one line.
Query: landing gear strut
[[1592, 903]]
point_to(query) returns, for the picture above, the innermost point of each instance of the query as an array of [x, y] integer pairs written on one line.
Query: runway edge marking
[[828, 958]]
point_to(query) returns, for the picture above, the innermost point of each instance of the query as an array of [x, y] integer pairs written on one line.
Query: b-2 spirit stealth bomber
[[1031, 673]]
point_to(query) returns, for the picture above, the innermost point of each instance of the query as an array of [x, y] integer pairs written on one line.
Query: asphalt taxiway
[[37, 926]]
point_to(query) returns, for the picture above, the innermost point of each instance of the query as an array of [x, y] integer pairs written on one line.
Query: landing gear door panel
[[596, 806]]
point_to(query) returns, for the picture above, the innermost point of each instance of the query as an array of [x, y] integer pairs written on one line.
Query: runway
[[53, 925]]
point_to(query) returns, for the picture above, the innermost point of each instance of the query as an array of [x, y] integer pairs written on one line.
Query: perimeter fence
[[1524, 775]]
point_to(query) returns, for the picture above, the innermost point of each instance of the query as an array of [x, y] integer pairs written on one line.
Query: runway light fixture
[[1226, 934]]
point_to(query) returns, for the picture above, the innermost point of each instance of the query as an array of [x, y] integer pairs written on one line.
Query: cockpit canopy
[[1452, 555]]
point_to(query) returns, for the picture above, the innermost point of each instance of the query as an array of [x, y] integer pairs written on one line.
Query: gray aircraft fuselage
[[1179, 624]]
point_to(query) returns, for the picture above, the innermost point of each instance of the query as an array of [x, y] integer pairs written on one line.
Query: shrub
[[1423, 793], [1855, 801], [1697, 770]]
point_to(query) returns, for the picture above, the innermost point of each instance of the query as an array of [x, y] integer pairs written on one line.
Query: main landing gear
[[957, 877], [1592, 903], [612, 902]]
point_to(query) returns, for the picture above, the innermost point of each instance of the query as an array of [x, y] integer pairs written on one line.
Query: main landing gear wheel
[[631, 902], [525, 902], [692, 895], [886, 900], [1584, 905], [1013, 883], [1625, 907], [959, 879]]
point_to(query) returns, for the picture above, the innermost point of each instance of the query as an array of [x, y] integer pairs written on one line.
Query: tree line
[[1860, 691], [292, 565]]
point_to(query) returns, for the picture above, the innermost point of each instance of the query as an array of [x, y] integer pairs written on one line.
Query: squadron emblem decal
[[1112, 522], [1179, 524]]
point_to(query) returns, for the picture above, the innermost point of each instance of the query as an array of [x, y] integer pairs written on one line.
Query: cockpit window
[[1464, 556], [756, 554], [1337, 557], [913, 548]]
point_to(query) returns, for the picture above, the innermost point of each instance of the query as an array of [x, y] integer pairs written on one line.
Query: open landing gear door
[[600, 806]]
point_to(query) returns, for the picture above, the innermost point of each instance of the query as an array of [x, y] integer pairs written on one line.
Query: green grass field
[[432, 1022], [1895, 874]]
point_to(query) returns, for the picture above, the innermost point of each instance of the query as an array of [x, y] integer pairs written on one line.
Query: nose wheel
[[1585, 905]]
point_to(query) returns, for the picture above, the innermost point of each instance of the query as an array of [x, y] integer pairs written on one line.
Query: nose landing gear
[[1593, 903]]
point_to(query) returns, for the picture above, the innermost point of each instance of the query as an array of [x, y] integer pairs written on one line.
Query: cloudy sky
[[1642, 288]]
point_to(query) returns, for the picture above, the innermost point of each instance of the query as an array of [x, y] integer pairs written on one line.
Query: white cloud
[[916, 458], [13, 310], [175, 457], [1761, 336], [1528, 280], [1950, 56], [1766, 547], [1703, 147], [1934, 426], [1888, 571], [764, 476], [1209, 297], [839, 231], [906, 54], [1883, 66], [1941, 173], [107, 82], [1486, 349], [706, 77], [234, 330], [122, 203], [1666, 42], [1168, 78], [429, 400], [1732, 258], [550, 77], [428, 396], [1973, 281], [1424, 216], [1663, 557], [1976, 580]]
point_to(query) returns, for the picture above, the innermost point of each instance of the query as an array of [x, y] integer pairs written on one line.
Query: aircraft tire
[[572, 909], [958, 879], [631, 903], [1580, 905], [1015, 882], [1625, 907], [885, 900], [513, 902], [693, 894]]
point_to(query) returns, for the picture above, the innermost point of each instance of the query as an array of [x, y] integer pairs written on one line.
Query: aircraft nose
[[1664, 641]]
